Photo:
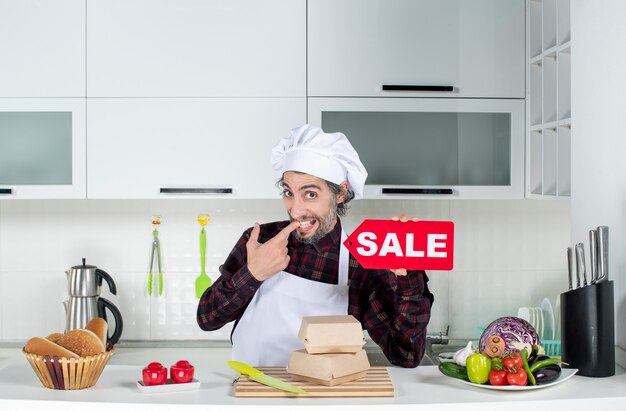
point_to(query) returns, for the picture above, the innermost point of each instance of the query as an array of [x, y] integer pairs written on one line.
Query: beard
[[325, 223]]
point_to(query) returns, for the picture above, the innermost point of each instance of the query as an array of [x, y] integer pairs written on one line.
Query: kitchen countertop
[[416, 389]]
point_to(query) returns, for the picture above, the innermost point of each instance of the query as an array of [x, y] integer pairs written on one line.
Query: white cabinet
[[196, 48], [355, 47], [548, 99], [42, 148], [186, 148], [42, 48], [432, 147]]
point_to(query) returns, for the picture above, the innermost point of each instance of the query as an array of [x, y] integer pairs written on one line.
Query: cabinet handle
[[442, 191], [205, 190], [6, 191], [398, 87]]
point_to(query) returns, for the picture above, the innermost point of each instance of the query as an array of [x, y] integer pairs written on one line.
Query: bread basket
[[68, 373]]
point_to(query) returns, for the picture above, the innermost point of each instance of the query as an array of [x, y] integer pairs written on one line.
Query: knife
[[593, 256], [603, 253], [260, 377], [569, 267], [580, 266]]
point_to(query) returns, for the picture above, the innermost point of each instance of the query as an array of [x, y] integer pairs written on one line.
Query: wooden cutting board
[[375, 384]]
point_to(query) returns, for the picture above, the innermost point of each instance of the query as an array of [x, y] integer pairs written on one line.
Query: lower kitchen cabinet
[[42, 148], [186, 147]]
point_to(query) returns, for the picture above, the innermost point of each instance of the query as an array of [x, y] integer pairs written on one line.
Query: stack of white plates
[[541, 318]]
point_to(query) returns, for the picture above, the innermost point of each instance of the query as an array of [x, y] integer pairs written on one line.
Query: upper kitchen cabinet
[[416, 48], [432, 148], [548, 101], [42, 44], [42, 148], [196, 48], [152, 148]]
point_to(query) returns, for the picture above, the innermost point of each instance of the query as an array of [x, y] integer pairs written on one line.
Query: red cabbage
[[516, 333]]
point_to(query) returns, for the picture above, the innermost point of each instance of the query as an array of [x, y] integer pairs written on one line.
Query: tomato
[[154, 374], [478, 368], [513, 363], [181, 372], [517, 378], [498, 377]]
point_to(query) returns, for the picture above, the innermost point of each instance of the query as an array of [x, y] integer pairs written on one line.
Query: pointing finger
[[284, 233]]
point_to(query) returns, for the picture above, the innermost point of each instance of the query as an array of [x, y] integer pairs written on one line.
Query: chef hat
[[329, 156]]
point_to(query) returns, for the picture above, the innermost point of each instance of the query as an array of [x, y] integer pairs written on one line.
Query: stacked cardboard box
[[333, 350]]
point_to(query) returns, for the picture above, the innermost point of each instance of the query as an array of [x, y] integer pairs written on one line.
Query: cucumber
[[453, 370]]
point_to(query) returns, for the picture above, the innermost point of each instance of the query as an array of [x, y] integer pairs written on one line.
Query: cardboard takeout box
[[328, 369], [331, 334]]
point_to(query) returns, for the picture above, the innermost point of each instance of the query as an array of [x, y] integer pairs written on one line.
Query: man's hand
[[269, 258], [401, 272]]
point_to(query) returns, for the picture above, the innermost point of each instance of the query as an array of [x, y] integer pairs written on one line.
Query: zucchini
[[453, 370]]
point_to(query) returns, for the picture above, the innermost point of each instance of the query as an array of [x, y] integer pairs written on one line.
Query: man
[[279, 272]]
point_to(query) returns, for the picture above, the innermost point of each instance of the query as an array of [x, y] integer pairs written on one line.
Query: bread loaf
[[83, 342], [54, 337], [99, 327], [43, 346]]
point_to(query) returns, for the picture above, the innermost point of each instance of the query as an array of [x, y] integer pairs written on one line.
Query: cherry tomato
[[181, 372], [513, 363], [517, 378], [498, 377], [154, 374]]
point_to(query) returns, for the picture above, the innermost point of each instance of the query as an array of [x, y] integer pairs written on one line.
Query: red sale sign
[[388, 244]]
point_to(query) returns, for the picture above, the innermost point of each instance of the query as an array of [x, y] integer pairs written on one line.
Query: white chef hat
[[329, 156]]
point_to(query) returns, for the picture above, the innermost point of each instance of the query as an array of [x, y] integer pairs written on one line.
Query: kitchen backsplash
[[508, 253]]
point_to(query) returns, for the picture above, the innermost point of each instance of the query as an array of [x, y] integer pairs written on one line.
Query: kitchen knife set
[[598, 260]]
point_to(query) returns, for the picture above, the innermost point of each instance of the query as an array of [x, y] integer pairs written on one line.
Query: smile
[[306, 225]]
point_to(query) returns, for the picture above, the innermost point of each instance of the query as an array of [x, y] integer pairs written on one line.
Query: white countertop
[[416, 389]]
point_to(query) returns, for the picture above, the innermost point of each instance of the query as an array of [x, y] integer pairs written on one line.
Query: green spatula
[[203, 281]]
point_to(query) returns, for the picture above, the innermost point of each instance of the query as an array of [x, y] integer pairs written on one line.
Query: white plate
[[548, 319], [169, 386], [524, 313], [539, 320], [566, 374], [557, 319]]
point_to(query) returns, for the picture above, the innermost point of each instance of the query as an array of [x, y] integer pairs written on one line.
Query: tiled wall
[[507, 254]]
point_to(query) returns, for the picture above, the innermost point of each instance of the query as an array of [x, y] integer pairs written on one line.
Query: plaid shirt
[[394, 310]]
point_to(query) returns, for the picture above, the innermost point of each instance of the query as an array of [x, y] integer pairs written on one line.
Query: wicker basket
[[68, 373]]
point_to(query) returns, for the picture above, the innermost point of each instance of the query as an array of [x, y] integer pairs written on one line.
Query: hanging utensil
[[156, 256], [203, 281]]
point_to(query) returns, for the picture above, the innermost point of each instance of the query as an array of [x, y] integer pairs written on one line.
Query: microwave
[[434, 148]]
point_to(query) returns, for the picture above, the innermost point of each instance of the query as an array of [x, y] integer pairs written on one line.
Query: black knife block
[[588, 329]]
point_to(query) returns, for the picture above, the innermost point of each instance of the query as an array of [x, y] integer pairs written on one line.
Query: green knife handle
[[202, 249], [243, 368]]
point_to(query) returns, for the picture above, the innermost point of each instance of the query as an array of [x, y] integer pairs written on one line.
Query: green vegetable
[[496, 364], [453, 370], [534, 351], [478, 368], [543, 363], [531, 377]]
